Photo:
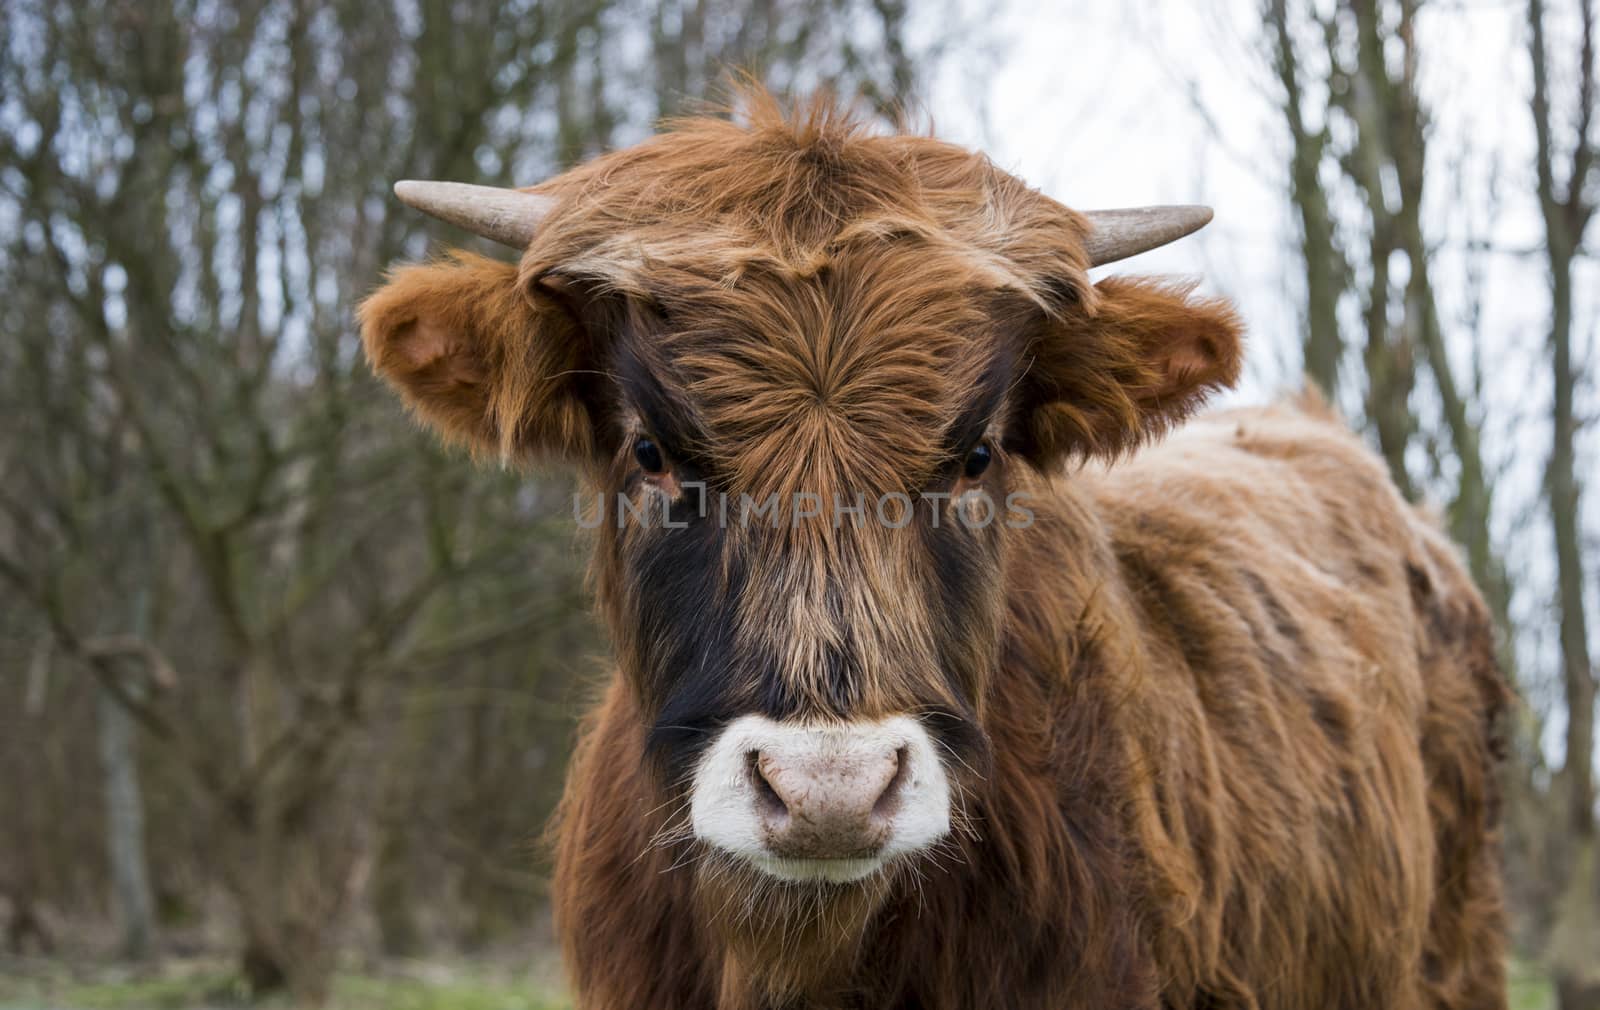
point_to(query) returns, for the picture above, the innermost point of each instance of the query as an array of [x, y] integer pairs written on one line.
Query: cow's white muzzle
[[822, 801]]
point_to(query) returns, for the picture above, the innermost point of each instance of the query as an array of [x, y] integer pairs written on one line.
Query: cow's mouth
[[820, 803], [817, 871]]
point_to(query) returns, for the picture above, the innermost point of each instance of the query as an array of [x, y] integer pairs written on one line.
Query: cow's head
[[814, 363]]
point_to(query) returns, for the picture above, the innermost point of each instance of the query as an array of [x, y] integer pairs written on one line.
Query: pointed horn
[[1118, 234], [508, 216]]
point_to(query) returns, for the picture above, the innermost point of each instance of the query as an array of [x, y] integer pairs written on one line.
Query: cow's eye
[[977, 461], [649, 456]]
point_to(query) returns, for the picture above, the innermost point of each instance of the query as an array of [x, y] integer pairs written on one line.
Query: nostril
[[768, 802], [888, 801]]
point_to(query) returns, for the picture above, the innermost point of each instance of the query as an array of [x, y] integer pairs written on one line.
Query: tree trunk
[[27, 932], [124, 800], [1576, 931], [1391, 371], [394, 903], [297, 860], [1573, 994], [1325, 266], [1566, 518], [1577, 925], [290, 938], [263, 972], [125, 852]]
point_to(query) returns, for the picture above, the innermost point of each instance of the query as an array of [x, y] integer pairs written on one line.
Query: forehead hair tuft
[[783, 186]]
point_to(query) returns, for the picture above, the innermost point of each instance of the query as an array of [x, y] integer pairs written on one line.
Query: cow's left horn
[[1118, 234], [508, 216]]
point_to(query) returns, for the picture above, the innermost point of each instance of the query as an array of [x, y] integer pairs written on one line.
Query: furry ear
[[481, 357], [1130, 362]]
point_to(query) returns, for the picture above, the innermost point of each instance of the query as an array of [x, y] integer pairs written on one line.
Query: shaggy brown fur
[[1221, 719]]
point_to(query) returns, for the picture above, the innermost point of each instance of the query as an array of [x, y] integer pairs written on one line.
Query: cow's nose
[[820, 802], [829, 805]]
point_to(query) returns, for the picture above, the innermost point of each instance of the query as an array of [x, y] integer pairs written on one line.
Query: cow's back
[[1318, 701]]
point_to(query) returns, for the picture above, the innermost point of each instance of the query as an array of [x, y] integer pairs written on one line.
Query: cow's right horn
[[508, 216]]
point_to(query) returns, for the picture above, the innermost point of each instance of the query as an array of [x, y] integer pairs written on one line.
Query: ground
[[180, 984]]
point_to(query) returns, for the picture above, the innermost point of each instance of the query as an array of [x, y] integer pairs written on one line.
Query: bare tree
[[200, 483], [1567, 204]]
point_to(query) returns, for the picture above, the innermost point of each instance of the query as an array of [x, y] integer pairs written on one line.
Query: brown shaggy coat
[[1229, 702]]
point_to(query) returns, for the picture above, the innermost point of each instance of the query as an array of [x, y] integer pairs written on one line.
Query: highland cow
[[1206, 720]]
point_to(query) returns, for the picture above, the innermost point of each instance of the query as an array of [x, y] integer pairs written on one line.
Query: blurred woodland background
[[288, 690]]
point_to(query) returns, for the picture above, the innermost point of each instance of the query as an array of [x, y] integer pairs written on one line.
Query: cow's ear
[[1121, 366], [483, 358]]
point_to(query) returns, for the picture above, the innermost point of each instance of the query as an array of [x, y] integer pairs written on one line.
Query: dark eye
[[977, 460], [649, 456]]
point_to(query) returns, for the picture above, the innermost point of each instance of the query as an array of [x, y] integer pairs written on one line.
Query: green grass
[[191, 987], [356, 991], [1530, 989], [150, 993]]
